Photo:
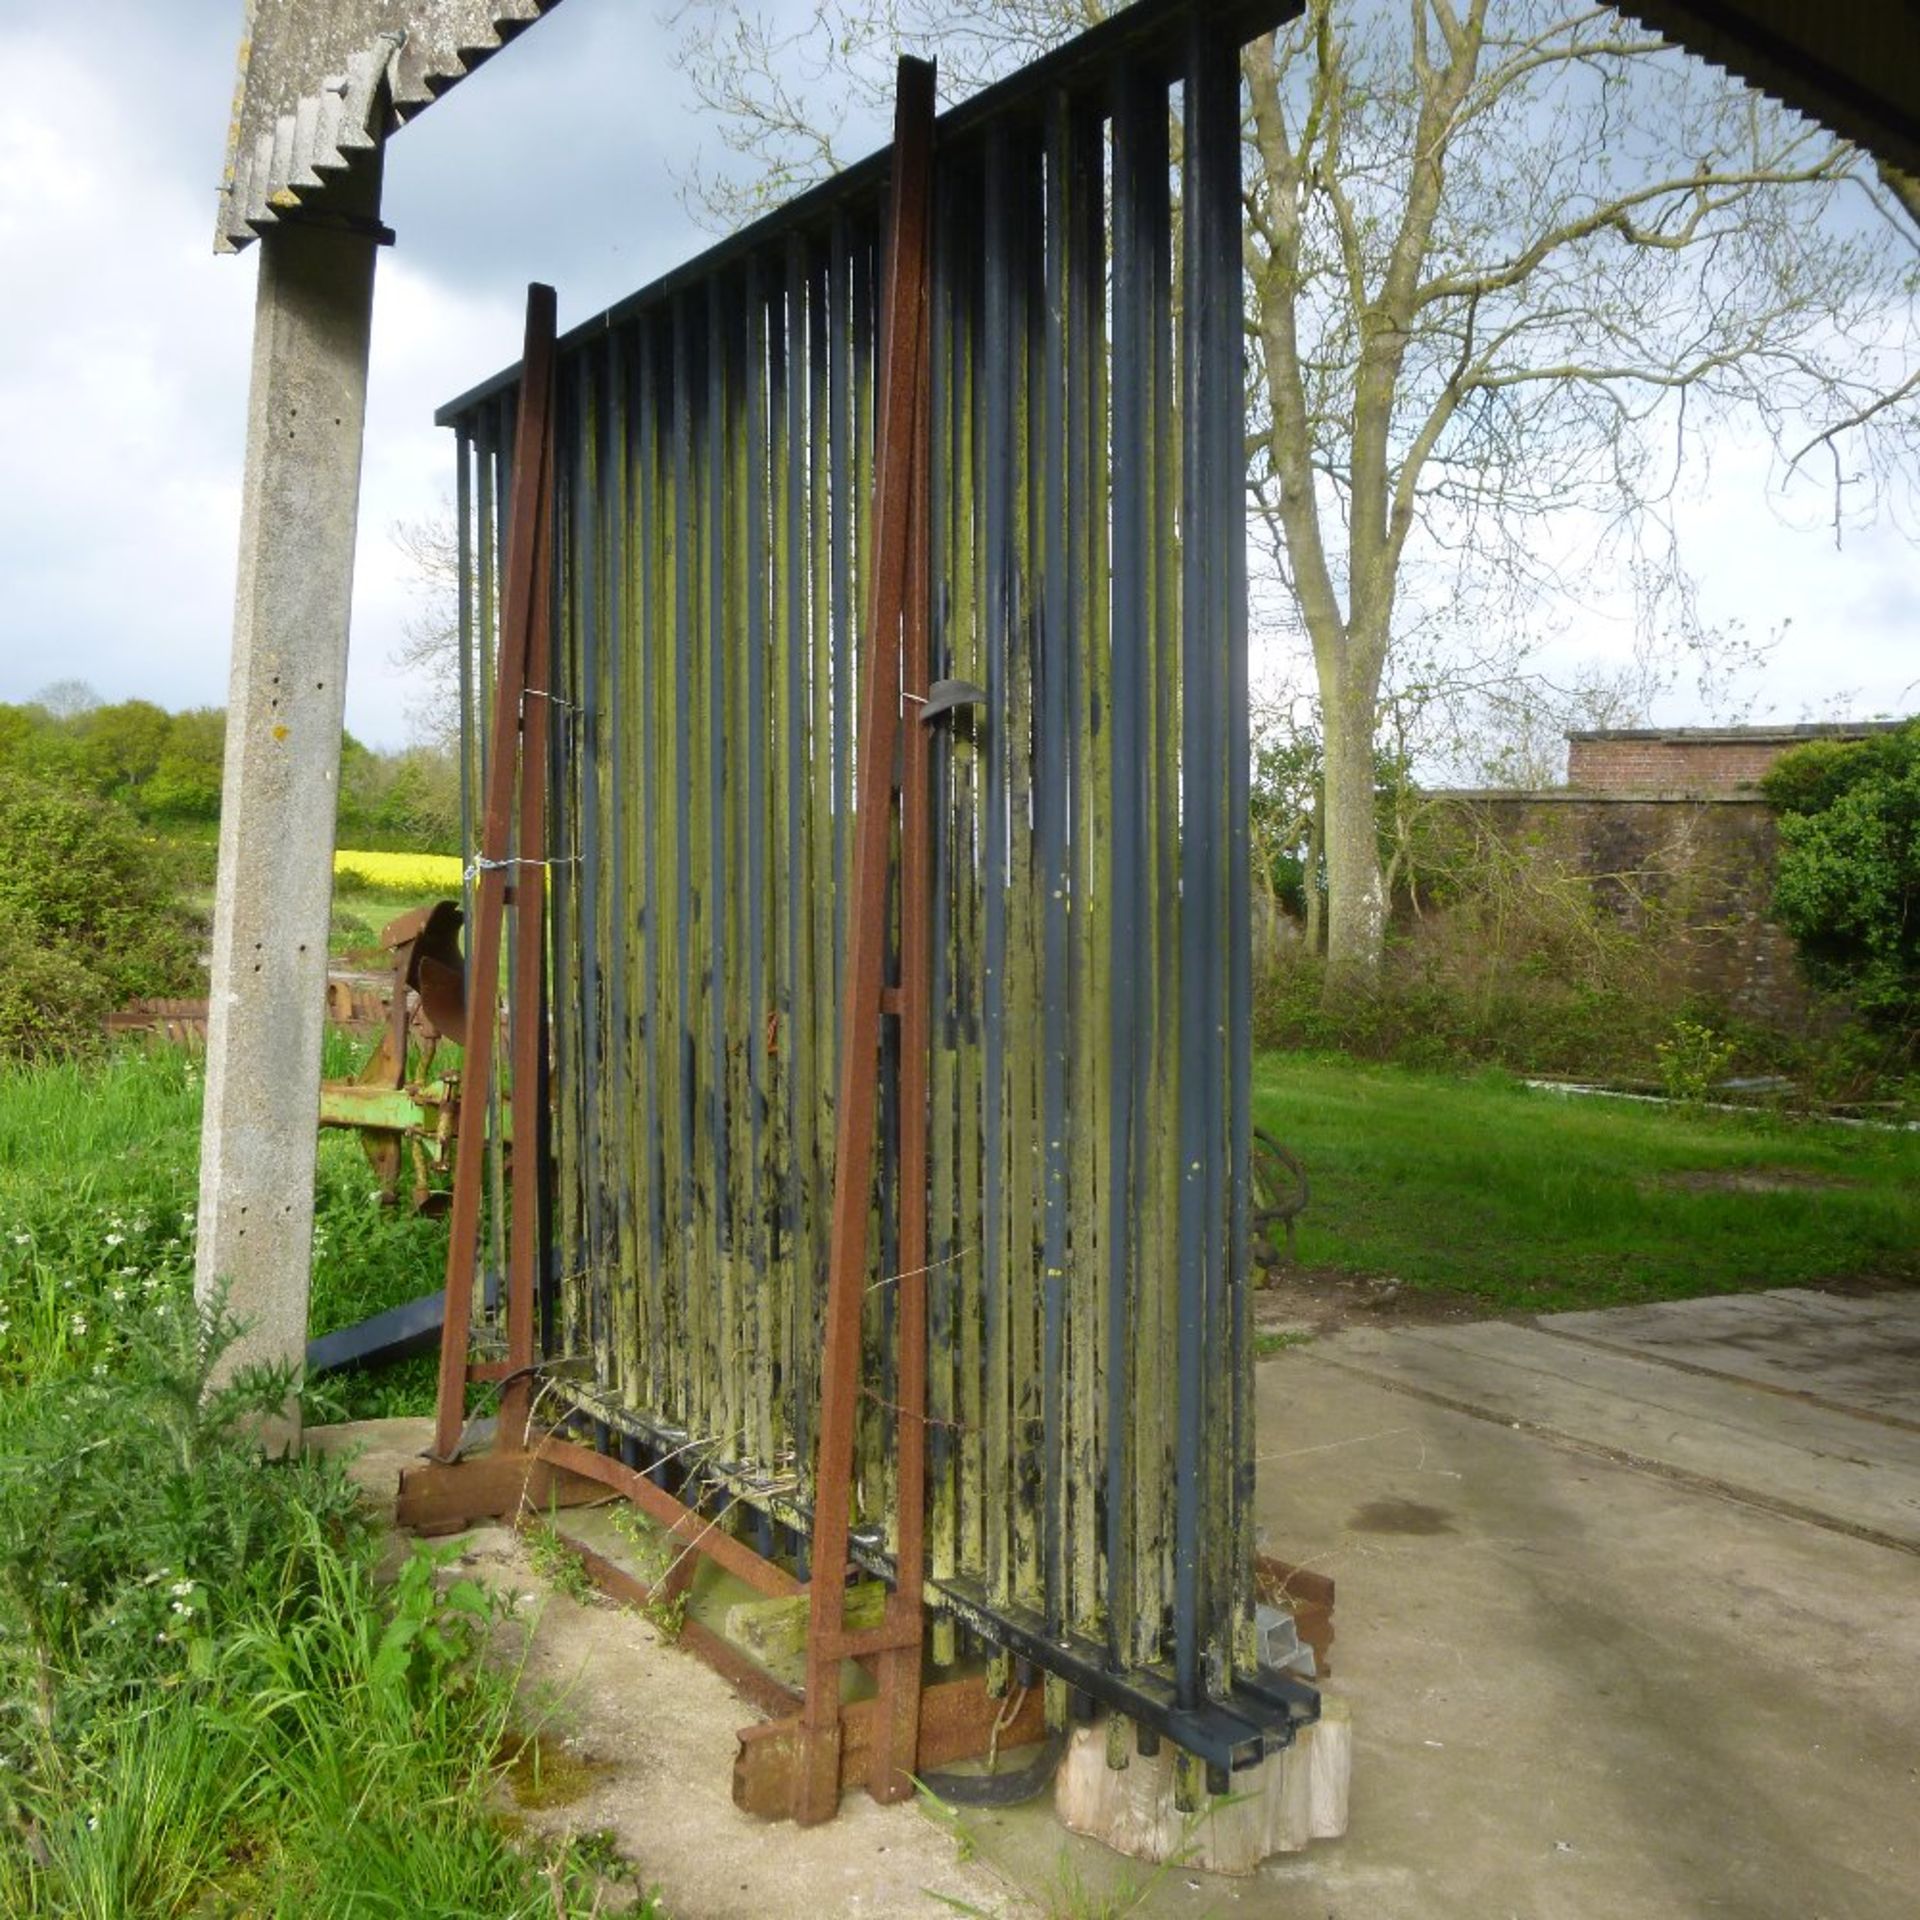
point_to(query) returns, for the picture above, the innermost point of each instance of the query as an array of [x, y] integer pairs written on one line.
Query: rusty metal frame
[[519, 750], [895, 672]]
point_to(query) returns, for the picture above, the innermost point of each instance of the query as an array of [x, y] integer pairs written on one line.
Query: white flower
[[79, 1325], [114, 1239], [119, 1296], [128, 1272], [180, 1589], [22, 1239]]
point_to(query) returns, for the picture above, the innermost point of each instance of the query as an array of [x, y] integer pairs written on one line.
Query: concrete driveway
[[1629, 1611]]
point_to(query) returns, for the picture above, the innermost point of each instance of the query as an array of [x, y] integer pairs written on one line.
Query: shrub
[[88, 917], [1693, 1059], [1848, 882]]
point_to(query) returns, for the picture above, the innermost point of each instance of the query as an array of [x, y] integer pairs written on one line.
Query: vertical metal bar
[[618, 1303], [798, 1030], [1213, 262], [993, 384], [577, 890], [896, 1758], [759, 1000], [528, 1011], [892, 579], [464, 618], [719, 954], [1089, 1101], [1128, 959], [649, 563], [838, 442], [942, 1281], [525, 615], [1054, 646], [684, 1043]]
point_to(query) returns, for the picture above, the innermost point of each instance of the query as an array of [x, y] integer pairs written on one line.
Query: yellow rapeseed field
[[402, 872]]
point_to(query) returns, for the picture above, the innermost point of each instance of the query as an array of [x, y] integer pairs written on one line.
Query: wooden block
[[1277, 1807]]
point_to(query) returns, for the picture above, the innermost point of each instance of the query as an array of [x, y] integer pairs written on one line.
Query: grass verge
[[209, 1703], [1532, 1201], [98, 1190]]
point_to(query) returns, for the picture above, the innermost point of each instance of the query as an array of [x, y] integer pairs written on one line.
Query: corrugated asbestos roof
[[1853, 65], [323, 80]]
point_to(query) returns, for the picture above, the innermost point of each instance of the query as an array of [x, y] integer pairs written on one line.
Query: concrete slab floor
[[1601, 1667], [1583, 1684], [1860, 1351]]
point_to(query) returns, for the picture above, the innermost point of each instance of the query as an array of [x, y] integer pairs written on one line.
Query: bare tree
[[430, 638], [66, 699], [1505, 261]]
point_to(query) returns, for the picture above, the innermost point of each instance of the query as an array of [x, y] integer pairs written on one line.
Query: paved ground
[[1629, 1618], [1629, 1609]]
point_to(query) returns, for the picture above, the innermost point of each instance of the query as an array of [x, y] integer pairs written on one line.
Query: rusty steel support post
[[896, 1734], [523, 614], [899, 571], [526, 1012]]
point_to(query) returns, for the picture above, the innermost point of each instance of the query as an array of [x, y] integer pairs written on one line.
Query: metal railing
[[1088, 1441]]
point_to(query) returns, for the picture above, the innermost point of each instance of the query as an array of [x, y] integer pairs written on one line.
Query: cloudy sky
[[124, 350]]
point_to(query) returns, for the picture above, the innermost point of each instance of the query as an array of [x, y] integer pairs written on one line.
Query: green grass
[[98, 1190], [209, 1702], [1531, 1200]]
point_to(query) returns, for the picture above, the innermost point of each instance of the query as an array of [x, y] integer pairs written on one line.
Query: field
[[1527, 1200]]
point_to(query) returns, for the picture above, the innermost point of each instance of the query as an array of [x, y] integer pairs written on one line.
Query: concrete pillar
[[281, 781]]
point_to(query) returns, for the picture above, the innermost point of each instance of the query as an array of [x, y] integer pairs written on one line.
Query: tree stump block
[[1277, 1807]]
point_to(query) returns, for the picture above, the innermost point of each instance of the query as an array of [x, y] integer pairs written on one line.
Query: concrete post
[[280, 785]]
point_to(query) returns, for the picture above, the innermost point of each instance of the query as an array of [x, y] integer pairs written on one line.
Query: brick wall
[[1706, 863], [1669, 766], [1692, 759]]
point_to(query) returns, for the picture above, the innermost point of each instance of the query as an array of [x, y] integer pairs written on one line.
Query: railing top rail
[[1148, 34]]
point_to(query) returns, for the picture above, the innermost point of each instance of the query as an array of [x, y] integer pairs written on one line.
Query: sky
[[124, 349]]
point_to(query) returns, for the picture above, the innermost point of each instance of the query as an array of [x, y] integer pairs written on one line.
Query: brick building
[[1668, 827], [1693, 760]]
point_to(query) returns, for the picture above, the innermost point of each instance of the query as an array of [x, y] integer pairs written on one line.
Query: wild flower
[[79, 1325], [115, 1239]]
